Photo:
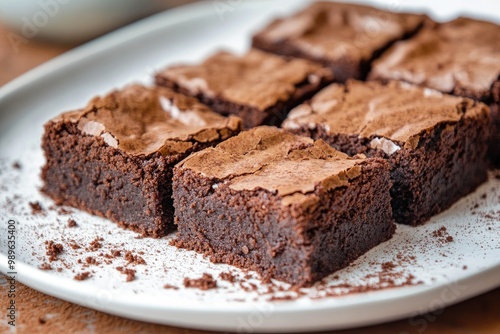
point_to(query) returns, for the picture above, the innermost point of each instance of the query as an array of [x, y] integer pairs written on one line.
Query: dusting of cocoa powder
[[53, 250], [82, 276], [36, 208], [205, 282], [72, 223]]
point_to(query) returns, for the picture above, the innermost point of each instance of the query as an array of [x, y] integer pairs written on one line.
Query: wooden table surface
[[39, 313]]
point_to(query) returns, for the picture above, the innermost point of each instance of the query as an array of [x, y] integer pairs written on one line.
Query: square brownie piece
[[344, 37], [461, 57], [258, 87], [114, 158], [282, 205], [436, 144]]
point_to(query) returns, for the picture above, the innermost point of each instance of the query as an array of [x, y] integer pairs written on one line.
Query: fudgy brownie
[[344, 37], [436, 143], [461, 57], [283, 205], [258, 87], [114, 158]]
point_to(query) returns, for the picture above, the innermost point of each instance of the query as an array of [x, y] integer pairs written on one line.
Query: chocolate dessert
[[461, 57], [284, 205], [114, 158], [258, 87], [344, 37], [435, 143]]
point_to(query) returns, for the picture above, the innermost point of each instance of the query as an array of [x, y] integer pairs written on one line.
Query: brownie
[[344, 37], [435, 143], [283, 205], [258, 87], [461, 57], [114, 158]]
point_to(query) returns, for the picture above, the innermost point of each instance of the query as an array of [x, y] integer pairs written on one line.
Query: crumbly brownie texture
[[436, 144], [258, 87], [344, 37], [115, 157], [283, 205], [461, 57]]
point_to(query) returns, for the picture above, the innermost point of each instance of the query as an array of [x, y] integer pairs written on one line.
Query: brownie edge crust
[[298, 237]]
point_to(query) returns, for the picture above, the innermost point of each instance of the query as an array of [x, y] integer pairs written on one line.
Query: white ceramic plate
[[448, 272]]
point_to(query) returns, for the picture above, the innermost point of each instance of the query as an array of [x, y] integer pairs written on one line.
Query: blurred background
[[34, 31]]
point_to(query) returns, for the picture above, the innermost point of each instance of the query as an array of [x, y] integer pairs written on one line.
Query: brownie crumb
[[82, 276], [227, 276], [170, 286], [95, 244], [388, 265], [63, 211], [45, 266], [92, 261], [36, 208], [74, 245], [127, 271], [281, 298], [134, 259], [206, 282], [442, 235], [17, 165], [116, 253], [72, 223], [440, 232], [464, 267], [53, 250]]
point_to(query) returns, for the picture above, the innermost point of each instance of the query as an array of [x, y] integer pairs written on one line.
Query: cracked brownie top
[[142, 120]]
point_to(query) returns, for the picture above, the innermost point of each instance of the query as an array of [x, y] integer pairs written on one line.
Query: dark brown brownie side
[[448, 164], [494, 149], [84, 172], [252, 230], [250, 115]]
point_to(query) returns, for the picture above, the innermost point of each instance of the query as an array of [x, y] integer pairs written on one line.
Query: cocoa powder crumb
[[17, 165], [72, 223], [388, 265], [170, 286], [53, 250], [227, 276], [439, 232], [36, 208], [205, 282], [95, 244], [116, 253], [63, 211], [92, 261], [281, 298], [82, 276], [127, 271], [134, 259], [45, 266]]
